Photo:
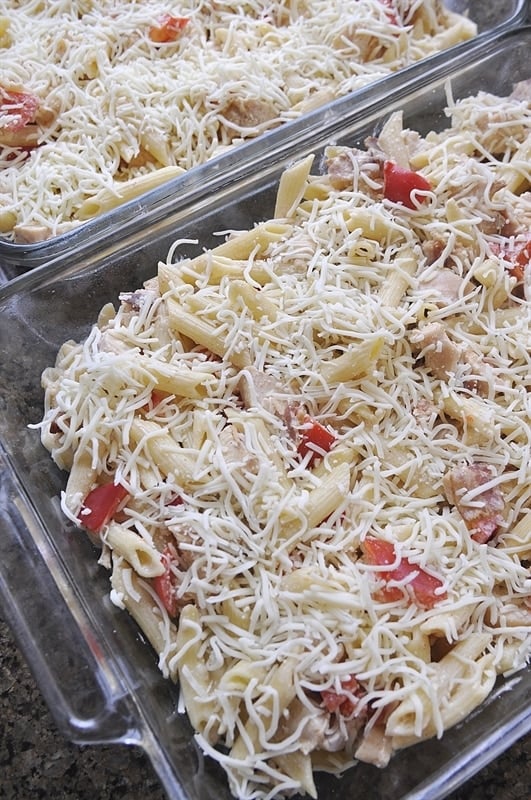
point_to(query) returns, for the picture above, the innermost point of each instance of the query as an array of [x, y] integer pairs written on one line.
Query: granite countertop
[[37, 763]]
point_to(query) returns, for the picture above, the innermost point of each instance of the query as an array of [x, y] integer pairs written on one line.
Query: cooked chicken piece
[[425, 411], [235, 452], [432, 249], [481, 375], [312, 734], [442, 288], [522, 91], [375, 747], [135, 300], [482, 514], [184, 539], [441, 355], [344, 165], [31, 234], [496, 224], [244, 113]]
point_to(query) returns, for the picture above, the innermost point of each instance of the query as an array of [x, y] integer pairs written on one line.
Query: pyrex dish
[[96, 672], [14, 258]]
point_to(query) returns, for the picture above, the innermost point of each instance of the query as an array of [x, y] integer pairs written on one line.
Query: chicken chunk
[[244, 113], [441, 355], [482, 513]]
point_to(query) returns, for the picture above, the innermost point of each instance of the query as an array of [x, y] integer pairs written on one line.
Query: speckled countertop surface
[[36, 763]]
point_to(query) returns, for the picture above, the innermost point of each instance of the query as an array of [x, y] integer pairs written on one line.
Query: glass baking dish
[[490, 18], [96, 671]]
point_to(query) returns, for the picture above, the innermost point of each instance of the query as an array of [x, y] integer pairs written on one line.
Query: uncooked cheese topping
[[114, 105], [325, 445]]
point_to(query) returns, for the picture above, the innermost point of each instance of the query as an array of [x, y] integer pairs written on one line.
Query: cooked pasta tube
[[162, 449], [516, 173], [194, 679], [291, 188], [357, 360], [404, 266], [120, 193], [131, 592], [173, 378], [143, 557]]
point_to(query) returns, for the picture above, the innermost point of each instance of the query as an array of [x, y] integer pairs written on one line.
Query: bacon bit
[[343, 702], [157, 396], [481, 520], [519, 256], [165, 585], [390, 11], [425, 587], [167, 28]]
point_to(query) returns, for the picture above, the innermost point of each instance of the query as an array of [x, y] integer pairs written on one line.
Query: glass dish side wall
[[59, 301]]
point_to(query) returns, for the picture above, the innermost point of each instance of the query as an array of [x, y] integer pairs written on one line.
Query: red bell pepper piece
[[399, 183], [100, 506], [314, 439], [424, 586], [167, 28]]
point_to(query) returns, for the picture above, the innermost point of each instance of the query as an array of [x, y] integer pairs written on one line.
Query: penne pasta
[[107, 199], [354, 362], [291, 188], [143, 557]]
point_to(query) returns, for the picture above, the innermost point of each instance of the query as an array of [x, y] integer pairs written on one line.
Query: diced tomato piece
[[156, 397], [167, 28], [424, 586], [399, 183], [100, 506], [343, 702], [165, 585], [521, 260], [378, 551], [314, 439], [19, 108]]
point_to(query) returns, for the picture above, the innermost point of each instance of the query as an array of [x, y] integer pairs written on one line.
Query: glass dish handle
[[76, 678]]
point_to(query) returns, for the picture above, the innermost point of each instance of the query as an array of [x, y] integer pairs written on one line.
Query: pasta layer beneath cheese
[[306, 452]]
